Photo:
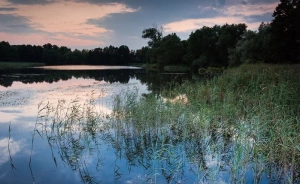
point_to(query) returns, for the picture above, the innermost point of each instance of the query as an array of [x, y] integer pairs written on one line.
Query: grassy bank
[[6, 65], [246, 119]]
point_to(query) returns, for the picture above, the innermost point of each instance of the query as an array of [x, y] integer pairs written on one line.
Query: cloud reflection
[[15, 147]]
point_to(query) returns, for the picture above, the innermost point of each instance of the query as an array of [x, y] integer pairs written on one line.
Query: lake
[[30, 153], [102, 124]]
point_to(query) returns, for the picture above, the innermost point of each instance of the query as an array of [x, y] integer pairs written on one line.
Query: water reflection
[[150, 148], [15, 147], [86, 67], [85, 151], [154, 81], [29, 76]]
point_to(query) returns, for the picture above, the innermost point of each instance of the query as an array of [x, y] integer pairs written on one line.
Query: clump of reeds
[[249, 115], [72, 129]]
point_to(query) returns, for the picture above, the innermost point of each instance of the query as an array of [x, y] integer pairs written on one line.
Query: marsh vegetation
[[240, 127]]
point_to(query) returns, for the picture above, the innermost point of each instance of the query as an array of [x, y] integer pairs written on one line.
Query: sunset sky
[[87, 24]]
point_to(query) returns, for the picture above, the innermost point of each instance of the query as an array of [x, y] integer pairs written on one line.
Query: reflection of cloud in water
[[21, 100], [11, 111], [15, 147]]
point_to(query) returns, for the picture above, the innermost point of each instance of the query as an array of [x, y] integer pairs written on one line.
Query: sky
[[88, 24]]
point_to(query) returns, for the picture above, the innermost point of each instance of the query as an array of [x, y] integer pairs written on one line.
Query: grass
[[254, 109], [245, 120], [71, 128], [9, 65], [177, 68]]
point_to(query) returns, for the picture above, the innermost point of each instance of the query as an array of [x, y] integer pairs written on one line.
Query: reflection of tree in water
[[156, 82], [165, 151], [35, 75]]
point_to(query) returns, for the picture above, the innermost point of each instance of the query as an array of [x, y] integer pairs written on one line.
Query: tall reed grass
[[246, 119], [240, 127]]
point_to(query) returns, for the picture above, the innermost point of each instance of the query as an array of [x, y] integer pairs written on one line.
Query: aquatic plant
[[242, 126], [247, 119]]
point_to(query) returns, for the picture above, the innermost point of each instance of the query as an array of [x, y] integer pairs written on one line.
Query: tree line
[[217, 46], [230, 45], [54, 55]]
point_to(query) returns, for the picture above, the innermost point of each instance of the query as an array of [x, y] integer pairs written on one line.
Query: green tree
[[209, 46], [286, 31], [5, 50], [170, 51], [154, 34], [123, 55]]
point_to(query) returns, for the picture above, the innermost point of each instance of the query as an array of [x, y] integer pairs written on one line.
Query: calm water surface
[[35, 158], [45, 139]]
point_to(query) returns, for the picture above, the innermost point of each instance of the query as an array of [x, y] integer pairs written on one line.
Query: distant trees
[[254, 47], [209, 46], [205, 47], [54, 55], [275, 42]]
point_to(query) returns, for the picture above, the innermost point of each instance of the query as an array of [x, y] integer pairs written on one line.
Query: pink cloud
[[41, 39], [67, 20], [67, 16]]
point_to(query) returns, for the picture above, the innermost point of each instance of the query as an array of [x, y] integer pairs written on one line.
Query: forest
[[217, 46]]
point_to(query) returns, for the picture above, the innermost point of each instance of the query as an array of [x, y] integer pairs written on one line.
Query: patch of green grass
[[177, 68], [150, 67], [6, 65]]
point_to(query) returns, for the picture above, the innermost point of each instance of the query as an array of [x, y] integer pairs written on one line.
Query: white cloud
[[232, 14], [67, 16], [193, 24], [248, 9]]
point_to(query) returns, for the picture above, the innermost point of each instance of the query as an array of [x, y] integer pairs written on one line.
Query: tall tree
[[154, 34], [286, 31]]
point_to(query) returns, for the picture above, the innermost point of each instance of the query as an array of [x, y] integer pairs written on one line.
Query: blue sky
[[87, 24]]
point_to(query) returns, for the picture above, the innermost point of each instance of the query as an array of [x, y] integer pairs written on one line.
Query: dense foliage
[[54, 55]]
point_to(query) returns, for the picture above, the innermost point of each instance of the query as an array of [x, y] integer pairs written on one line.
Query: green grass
[[255, 108], [177, 68], [8, 65]]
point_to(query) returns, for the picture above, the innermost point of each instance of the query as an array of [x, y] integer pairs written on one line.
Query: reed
[[246, 120], [252, 110]]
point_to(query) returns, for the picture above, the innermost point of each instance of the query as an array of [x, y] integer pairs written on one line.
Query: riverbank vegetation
[[240, 127], [246, 120], [9, 65]]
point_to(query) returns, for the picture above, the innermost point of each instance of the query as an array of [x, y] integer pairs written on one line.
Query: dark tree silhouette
[[286, 31]]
